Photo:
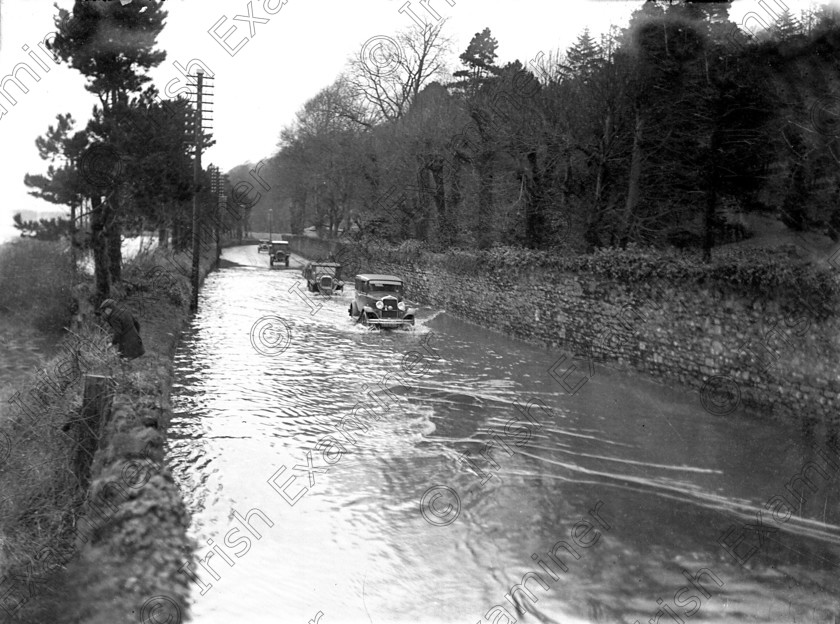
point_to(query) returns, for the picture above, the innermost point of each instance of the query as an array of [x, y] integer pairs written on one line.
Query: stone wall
[[732, 350], [312, 248], [131, 539]]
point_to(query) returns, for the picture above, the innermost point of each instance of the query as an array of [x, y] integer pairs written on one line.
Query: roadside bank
[[115, 533], [753, 330]]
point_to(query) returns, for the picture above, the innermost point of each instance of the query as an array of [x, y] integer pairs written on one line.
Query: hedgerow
[[772, 274]]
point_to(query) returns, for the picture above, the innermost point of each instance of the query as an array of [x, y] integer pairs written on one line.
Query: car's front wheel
[[287, 262]]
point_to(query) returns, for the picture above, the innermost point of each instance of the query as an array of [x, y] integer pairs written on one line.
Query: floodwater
[[354, 539]]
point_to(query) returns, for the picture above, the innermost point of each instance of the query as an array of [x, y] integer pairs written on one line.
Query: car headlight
[[401, 306], [380, 305]]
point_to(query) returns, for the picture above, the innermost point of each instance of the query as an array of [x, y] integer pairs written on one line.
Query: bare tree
[[387, 75]]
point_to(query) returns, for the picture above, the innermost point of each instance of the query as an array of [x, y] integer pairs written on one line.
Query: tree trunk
[[439, 196], [182, 234], [456, 208], [73, 235], [100, 250], [635, 178], [711, 199], [113, 231], [485, 200], [535, 234], [176, 235], [600, 178], [298, 213], [423, 202]]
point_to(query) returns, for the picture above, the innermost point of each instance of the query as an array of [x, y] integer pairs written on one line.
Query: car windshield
[[324, 269], [385, 287]]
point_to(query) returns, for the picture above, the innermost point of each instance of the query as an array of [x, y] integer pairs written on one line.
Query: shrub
[[39, 491], [156, 275], [778, 275]]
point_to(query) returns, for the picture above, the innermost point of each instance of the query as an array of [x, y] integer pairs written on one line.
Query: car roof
[[368, 277], [326, 264], [275, 242]]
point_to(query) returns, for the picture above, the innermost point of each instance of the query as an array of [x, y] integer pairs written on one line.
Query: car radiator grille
[[390, 309]]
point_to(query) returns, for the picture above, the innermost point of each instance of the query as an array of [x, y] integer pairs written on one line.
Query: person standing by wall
[[126, 329]]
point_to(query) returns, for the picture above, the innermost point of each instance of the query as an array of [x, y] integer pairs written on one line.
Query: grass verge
[[71, 553]]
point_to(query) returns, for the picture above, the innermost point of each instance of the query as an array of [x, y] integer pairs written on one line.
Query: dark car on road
[[379, 302], [263, 245], [278, 253], [323, 277]]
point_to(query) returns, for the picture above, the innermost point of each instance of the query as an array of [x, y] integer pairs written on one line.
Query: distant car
[[278, 253], [323, 277], [263, 245], [379, 302]]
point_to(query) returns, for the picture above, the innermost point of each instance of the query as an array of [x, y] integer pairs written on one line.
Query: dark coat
[[126, 333]]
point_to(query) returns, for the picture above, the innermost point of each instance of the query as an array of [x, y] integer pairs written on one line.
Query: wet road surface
[[399, 517]]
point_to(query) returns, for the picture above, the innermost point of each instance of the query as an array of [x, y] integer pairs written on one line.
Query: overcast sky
[[289, 58]]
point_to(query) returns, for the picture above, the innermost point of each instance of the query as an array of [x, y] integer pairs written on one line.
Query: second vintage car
[[323, 277], [263, 245], [278, 253], [379, 302]]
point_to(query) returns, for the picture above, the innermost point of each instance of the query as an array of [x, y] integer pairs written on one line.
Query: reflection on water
[[295, 517]]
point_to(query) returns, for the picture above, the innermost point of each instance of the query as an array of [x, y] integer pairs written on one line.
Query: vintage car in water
[[379, 302], [263, 245], [278, 253], [323, 277]]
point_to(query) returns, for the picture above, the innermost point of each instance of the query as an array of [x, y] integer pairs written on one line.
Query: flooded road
[[629, 485]]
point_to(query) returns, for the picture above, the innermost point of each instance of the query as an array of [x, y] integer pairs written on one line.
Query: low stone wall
[[131, 539], [312, 248], [732, 350]]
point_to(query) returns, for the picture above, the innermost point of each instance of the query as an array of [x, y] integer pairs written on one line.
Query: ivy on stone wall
[[779, 275], [776, 275]]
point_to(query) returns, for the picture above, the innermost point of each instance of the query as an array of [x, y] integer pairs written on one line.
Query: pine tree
[[43, 229], [112, 45], [62, 184], [584, 57], [479, 57], [786, 27]]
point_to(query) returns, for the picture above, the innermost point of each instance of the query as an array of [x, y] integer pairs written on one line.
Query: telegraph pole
[[216, 193], [203, 104], [196, 187]]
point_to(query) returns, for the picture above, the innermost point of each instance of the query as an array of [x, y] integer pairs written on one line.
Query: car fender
[[370, 310], [410, 311]]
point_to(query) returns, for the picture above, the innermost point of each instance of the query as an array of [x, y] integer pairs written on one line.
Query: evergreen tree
[[112, 45], [61, 184], [584, 58], [480, 59], [43, 229], [786, 27], [476, 143]]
